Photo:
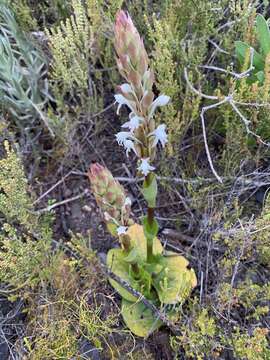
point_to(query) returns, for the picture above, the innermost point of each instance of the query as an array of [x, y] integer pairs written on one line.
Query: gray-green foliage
[[23, 92]]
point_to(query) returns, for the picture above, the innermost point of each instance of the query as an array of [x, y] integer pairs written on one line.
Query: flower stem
[[150, 220], [125, 241]]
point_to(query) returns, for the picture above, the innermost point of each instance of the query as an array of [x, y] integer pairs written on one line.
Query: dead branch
[[63, 202], [227, 99]]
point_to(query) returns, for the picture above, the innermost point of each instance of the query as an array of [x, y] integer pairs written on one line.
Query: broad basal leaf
[[139, 242], [117, 264], [139, 319], [175, 282]]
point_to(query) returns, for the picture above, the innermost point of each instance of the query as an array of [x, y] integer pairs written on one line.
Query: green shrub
[[251, 347], [15, 202], [23, 91], [198, 336]]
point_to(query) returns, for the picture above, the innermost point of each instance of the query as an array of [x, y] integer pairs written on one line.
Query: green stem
[[125, 240], [150, 220], [136, 270]]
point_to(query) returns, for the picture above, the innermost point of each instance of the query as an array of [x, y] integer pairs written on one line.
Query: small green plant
[[198, 336], [15, 202], [260, 59], [251, 347], [25, 237], [161, 277], [23, 13], [45, 278]]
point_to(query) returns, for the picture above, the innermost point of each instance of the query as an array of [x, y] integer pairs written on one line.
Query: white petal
[[134, 122], [160, 135], [126, 88], [129, 145], [121, 100], [162, 100], [122, 136], [121, 230], [127, 201], [126, 124], [145, 167]]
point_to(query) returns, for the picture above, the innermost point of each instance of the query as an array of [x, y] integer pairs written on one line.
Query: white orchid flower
[[127, 201], [133, 123], [162, 100], [121, 230], [160, 135], [121, 100], [123, 136], [145, 168], [129, 145]]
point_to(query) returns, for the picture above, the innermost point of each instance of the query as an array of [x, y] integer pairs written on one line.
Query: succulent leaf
[[138, 241], [117, 264], [139, 319], [175, 282], [242, 48], [263, 34]]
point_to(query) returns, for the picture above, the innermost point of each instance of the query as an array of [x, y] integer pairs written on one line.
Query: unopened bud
[[110, 196], [129, 44]]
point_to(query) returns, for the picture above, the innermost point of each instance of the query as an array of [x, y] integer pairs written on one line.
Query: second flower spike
[[110, 197]]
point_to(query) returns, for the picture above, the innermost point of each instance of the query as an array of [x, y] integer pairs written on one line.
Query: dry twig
[[227, 99]]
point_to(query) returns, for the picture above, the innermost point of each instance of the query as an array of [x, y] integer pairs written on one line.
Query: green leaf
[[139, 319], [133, 256], [118, 261], [139, 241], [175, 282], [263, 34], [150, 230], [112, 228], [117, 264], [260, 76], [150, 192], [241, 50]]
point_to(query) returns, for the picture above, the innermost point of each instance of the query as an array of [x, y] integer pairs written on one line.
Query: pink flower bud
[[109, 194], [128, 43]]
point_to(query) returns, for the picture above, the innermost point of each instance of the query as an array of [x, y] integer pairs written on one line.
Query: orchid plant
[[160, 276]]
